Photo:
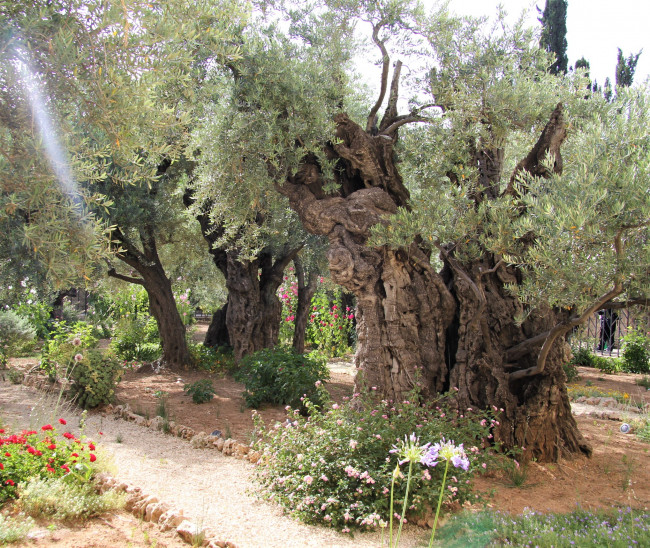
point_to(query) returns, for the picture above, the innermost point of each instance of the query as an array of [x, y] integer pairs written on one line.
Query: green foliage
[[201, 391], [42, 454], [16, 376], [280, 375], [335, 467], [645, 382], [329, 326], [16, 333], [62, 500], [210, 359], [95, 378], [636, 352], [625, 68], [607, 365], [136, 338], [38, 314], [571, 372], [589, 529], [582, 356]]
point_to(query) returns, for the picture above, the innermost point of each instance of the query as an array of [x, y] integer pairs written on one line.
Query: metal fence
[[604, 331]]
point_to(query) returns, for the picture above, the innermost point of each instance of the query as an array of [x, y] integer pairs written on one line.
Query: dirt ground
[[616, 475]]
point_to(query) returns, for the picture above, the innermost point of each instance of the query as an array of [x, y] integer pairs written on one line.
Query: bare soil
[[616, 475]]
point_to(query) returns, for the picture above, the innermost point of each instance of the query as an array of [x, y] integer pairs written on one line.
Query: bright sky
[[595, 29]]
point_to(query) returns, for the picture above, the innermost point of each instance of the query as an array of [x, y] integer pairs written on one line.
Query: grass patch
[[67, 501], [607, 529], [15, 529]]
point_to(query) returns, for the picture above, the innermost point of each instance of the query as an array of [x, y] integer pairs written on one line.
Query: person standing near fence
[[608, 324]]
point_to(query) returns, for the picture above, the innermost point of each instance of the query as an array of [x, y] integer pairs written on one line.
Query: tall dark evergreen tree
[[553, 37], [625, 68]]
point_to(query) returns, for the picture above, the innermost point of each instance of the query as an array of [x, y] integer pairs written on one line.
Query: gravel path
[[213, 490]]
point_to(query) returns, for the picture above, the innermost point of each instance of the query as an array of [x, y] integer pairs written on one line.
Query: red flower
[[101, 433], [47, 427], [38, 453], [7, 454], [9, 482], [91, 446], [65, 467], [2, 430], [50, 469], [31, 450], [2, 466], [51, 446], [62, 421], [74, 455], [93, 458], [68, 435]]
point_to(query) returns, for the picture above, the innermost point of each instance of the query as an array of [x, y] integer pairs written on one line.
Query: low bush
[[201, 391], [42, 454], [60, 499], [607, 365], [582, 356], [16, 333], [335, 468], [636, 352], [206, 358], [136, 339], [95, 377], [571, 372], [281, 375]]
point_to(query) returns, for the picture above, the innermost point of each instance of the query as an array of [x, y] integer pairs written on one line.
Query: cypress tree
[[625, 68], [553, 37]]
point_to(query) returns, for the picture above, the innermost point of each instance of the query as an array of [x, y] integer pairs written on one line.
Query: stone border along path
[[182, 486]]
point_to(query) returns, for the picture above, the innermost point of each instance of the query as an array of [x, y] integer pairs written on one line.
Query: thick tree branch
[[562, 329], [549, 142], [113, 274], [372, 117]]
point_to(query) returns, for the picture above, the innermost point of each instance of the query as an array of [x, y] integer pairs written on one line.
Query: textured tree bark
[[440, 331], [162, 304], [250, 320], [306, 290]]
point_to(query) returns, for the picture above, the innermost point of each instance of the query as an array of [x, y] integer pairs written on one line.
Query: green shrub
[[136, 339], [16, 333], [636, 352], [65, 342], [60, 499], [571, 372], [280, 375], [95, 378], [210, 359], [335, 468], [201, 391], [607, 365], [582, 356]]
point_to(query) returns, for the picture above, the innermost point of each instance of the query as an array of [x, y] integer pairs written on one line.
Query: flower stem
[[392, 489], [442, 490], [406, 496]]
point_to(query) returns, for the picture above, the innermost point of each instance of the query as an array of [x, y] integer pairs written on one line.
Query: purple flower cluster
[[446, 451]]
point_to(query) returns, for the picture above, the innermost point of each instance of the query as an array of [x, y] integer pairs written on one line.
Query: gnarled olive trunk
[[536, 413], [443, 330], [250, 319]]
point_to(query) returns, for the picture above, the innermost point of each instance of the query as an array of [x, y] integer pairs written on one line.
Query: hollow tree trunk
[[536, 411], [417, 326], [217, 333]]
